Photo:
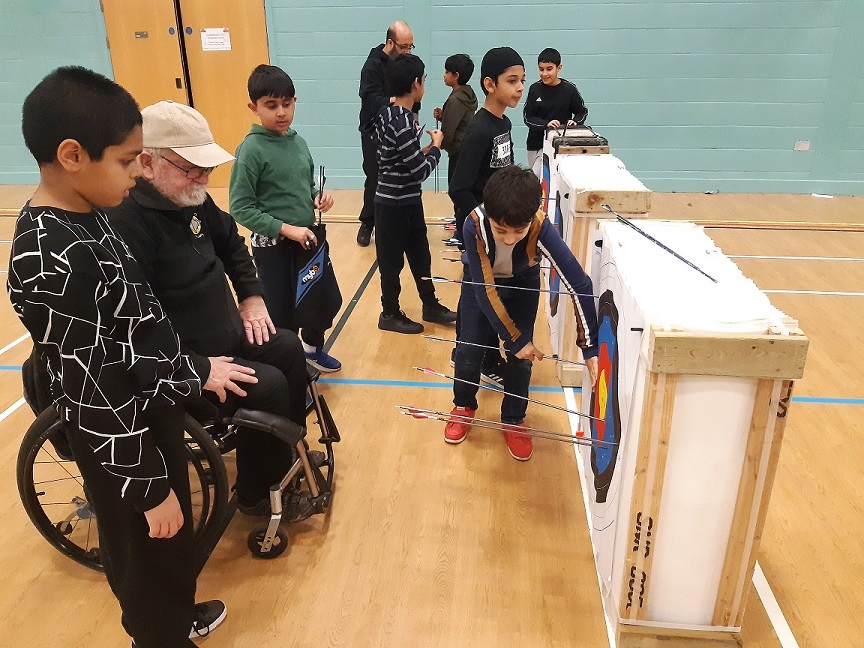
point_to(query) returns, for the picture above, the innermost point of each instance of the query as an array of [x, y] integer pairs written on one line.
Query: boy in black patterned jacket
[[118, 378]]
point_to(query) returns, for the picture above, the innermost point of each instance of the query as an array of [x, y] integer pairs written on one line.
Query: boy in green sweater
[[273, 193]]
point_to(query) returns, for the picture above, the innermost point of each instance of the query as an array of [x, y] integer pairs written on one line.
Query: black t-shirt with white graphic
[[487, 147], [112, 353]]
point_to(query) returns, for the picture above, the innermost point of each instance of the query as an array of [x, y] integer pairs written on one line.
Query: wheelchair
[[54, 494]]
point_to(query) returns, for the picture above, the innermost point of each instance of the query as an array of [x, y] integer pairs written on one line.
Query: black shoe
[[438, 313], [208, 615], [494, 375], [364, 235], [399, 323], [316, 458], [260, 508], [297, 506]]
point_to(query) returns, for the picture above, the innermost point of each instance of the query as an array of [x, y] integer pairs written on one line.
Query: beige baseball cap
[[184, 130]]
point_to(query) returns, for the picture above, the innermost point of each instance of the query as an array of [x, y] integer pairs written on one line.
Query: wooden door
[[144, 41], [218, 76]]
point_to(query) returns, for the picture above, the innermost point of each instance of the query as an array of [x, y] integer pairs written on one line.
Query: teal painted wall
[[37, 36], [693, 95]]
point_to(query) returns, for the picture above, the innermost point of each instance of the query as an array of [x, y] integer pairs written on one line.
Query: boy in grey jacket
[[458, 109]]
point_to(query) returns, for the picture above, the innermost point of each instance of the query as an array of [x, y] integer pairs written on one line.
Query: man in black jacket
[[374, 95], [186, 246]]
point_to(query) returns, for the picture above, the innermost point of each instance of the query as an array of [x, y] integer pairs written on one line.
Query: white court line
[[12, 408], [12, 344], [772, 608], [817, 292], [570, 401], [793, 258]]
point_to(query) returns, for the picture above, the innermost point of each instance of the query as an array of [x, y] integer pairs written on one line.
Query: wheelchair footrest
[[328, 425], [279, 426]]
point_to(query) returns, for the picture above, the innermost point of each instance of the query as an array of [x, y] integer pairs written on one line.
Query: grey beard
[[191, 196]]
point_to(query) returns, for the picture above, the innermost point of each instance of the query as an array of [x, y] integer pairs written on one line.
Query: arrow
[[658, 243], [554, 358], [432, 415], [478, 283], [501, 391]]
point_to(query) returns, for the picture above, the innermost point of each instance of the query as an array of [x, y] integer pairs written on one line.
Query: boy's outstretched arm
[[551, 245]]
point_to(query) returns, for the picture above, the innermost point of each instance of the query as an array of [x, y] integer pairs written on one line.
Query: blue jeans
[[474, 327]]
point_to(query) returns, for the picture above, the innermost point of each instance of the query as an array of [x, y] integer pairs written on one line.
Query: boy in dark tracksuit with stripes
[[400, 228], [504, 239]]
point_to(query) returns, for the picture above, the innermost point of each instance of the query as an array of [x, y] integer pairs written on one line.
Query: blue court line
[[365, 382], [408, 383]]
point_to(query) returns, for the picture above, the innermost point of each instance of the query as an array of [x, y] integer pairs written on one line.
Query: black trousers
[[280, 366], [152, 578], [370, 168], [452, 161], [276, 269], [400, 232]]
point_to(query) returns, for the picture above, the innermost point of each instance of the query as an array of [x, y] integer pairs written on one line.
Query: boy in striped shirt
[[403, 164]]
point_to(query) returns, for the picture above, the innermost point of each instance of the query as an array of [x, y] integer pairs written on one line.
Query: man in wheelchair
[[186, 246]]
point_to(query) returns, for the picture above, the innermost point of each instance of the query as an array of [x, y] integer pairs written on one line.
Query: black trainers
[[399, 323], [364, 235], [297, 506], [260, 508], [208, 615], [438, 313], [316, 458]]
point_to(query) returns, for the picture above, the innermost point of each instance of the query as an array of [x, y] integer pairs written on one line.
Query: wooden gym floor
[[428, 544]]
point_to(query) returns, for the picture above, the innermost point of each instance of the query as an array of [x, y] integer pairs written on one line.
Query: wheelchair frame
[[207, 440]]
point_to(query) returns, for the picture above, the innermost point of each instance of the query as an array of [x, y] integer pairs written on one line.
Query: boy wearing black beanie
[[487, 148]]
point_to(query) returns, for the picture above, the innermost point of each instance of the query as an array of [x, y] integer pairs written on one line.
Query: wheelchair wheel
[[55, 499], [255, 542]]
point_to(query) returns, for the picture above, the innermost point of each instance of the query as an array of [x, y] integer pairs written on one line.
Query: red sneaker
[[520, 445], [460, 422]]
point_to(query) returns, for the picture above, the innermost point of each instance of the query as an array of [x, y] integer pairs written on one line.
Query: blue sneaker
[[322, 361]]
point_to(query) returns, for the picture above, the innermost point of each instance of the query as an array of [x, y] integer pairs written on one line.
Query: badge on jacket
[[195, 225]]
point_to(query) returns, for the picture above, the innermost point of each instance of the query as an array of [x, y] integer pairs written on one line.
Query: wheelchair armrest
[[279, 426]]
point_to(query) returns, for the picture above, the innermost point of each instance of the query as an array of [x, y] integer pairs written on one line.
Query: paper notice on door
[[215, 39]]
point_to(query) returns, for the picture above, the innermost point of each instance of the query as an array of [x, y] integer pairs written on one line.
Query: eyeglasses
[[404, 48], [192, 174]]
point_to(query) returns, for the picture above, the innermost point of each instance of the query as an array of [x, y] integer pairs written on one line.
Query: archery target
[[604, 400]]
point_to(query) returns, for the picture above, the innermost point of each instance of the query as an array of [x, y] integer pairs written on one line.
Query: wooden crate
[[585, 185], [677, 513]]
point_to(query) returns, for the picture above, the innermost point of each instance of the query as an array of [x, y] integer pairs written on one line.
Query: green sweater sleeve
[[243, 201], [312, 183]]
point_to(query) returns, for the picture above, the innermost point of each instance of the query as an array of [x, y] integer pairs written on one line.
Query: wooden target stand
[[775, 361], [580, 179]]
